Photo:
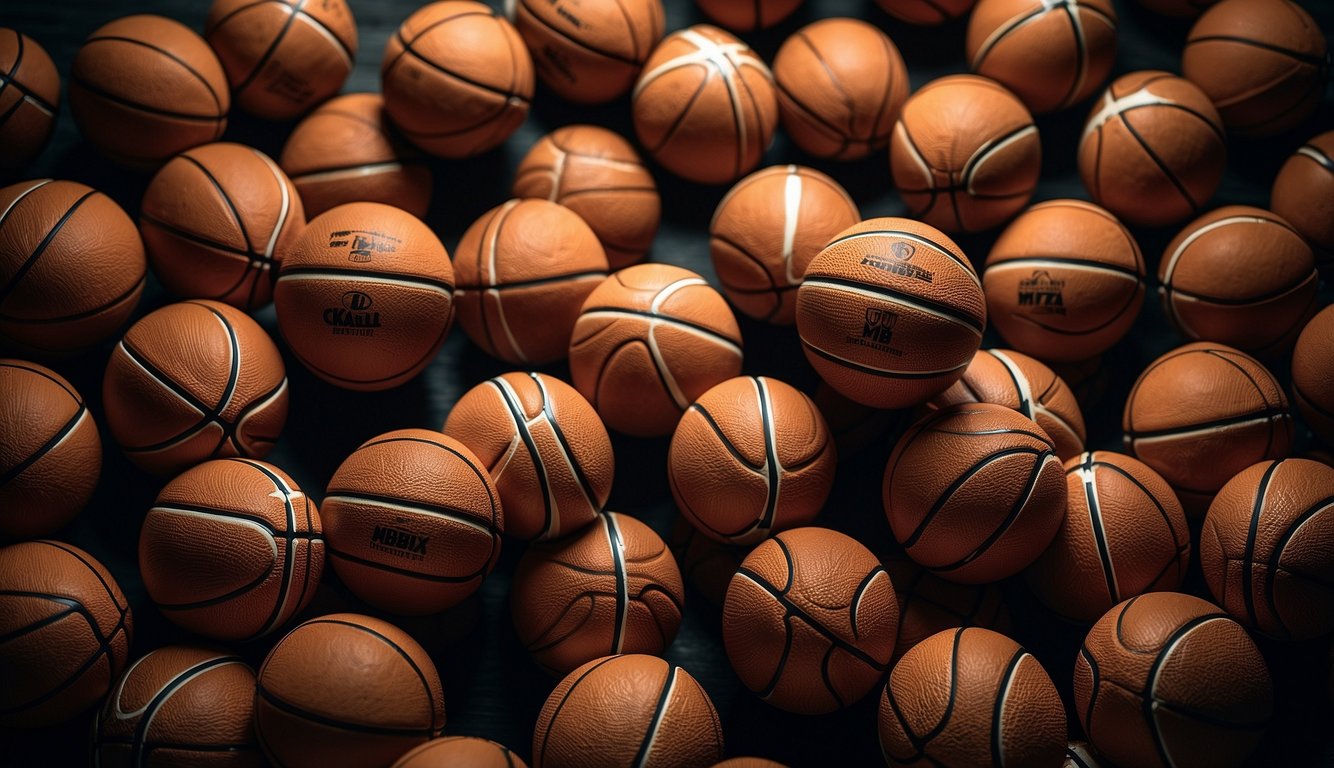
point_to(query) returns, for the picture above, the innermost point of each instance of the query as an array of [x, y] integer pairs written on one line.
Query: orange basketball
[[841, 85], [231, 549], [523, 270], [1065, 281], [746, 17], [194, 381], [589, 52], [628, 710], [974, 492], [365, 297], [1313, 375], [926, 13], [544, 447], [614, 587], [346, 690], [50, 454], [971, 696], [1303, 193], [751, 457], [1152, 150], [71, 266], [767, 228], [965, 154], [810, 620], [704, 107], [216, 220], [890, 313], [143, 88], [460, 752], [346, 152], [457, 79], [31, 105], [413, 522], [650, 340], [67, 629], [1165, 679], [180, 703], [929, 604]]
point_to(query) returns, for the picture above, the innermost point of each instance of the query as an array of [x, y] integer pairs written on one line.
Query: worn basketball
[[974, 492], [216, 220], [50, 453], [346, 152], [460, 752], [614, 587], [67, 629], [413, 522], [704, 106], [748, 17], [1152, 150], [751, 457], [72, 266], [1124, 533], [589, 51], [649, 341], [143, 88], [628, 710], [767, 228], [457, 79], [1167, 679], [30, 107], [926, 13], [194, 381], [384, 700], [1303, 193], [890, 313], [1064, 281], [971, 696], [523, 271], [1313, 375], [1202, 413], [180, 704], [841, 85], [366, 296], [810, 620], [929, 604]]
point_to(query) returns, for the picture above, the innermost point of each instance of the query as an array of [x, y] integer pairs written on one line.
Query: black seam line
[[535, 281], [669, 319], [72, 607], [734, 86], [132, 290], [1280, 406], [481, 476], [539, 465], [775, 479], [175, 231], [828, 682], [743, 251], [984, 152], [222, 113], [491, 119], [917, 152], [907, 236], [670, 133], [1039, 463], [304, 176], [546, 737], [916, 302], [351, 272], [1044, 439], [27, 94], [1173, 105], [306, 714], [777, 675], [423, 506], [859, 592], [229, 428], [1208, 718], [968, 474], [292, 11], [961, 187], [1095, 524], [844, 96], [211, 28], [537, 646], [508, 96], [1056, 260], [876, 371], [181, 678], [1305, 58], [9, 77], [1248, 552], [1266, 296], [811, 114], [234, 371], [579, 43], [795, 611], [288, 536], [1025, 405], [1094, 685], [791, 565], [617, 552], [422, 33], [1136, 482], [1158, 161], [914, 740], [549, 409], [13, 206], [1146, 693], [997, 754], [480, 573], [111, 593], [289, 554], [13, 108], [231, 206], [103, 649], [722, 437], [1314, 87], [953, 189], [220, 599], [45, 448], [498, 220], [37, 252], [1276, 556], [1081, 61], [131, 104], [954, 687], [1118, 316], [658, 712], [1268, 413]]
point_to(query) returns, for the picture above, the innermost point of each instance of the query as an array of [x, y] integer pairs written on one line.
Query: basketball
[[765, 231], [29, 107], [457, 79], [926, 13], [841, 85], [1200, 414], [964, 154], [751, 457], [614, 587], [544, 447], [72, 266], [704, 106], [465, 751], [809, 621], [1124, 534], [143, 88], [346, 152], [523, 271], [1152, 150], [1303, 193], [970, 696], [1264, 548], [231, 549], [50, 453], [413, 522], [890, 313], [974, 492], [1166, 679], [194, 381], [589, 52], [181, 704], [929, 604], [67, 629], [216, 220], [1313, 375], [385, 700], [365, 296], [1065, 281], [1263, 64], [1051, 55], [748, 17], [1022, 384], [628, 710], [649, 341]]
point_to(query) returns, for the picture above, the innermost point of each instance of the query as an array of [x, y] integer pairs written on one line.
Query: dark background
[[491, 688]]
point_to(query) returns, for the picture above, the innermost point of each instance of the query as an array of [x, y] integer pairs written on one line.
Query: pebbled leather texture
[[585, 51], [460, 752], [28, 127], [1313, 374], [929, 604]]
